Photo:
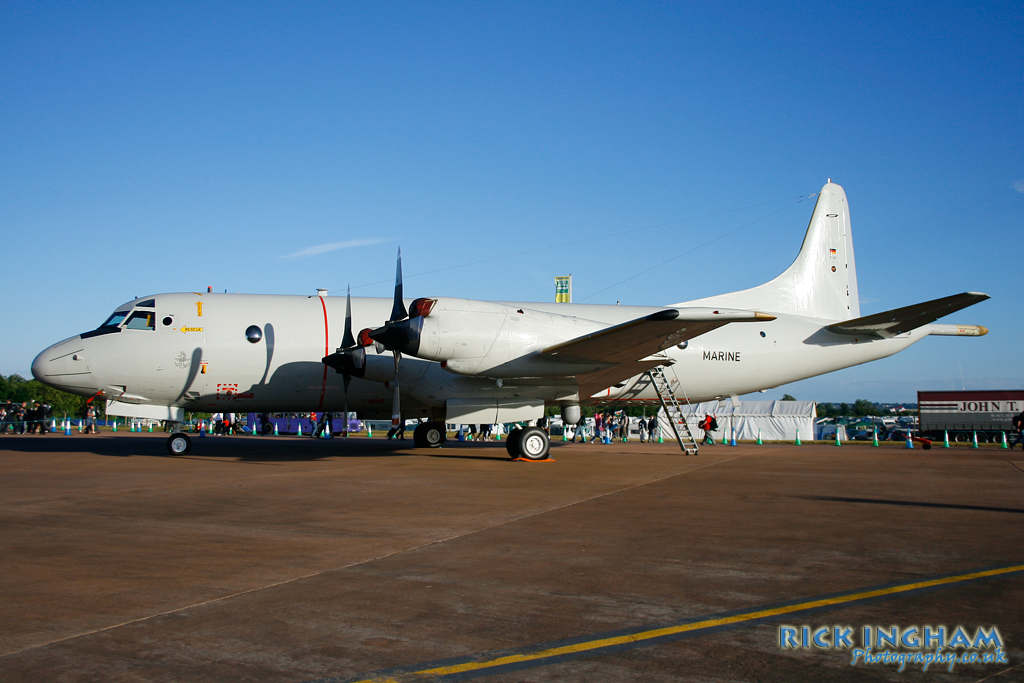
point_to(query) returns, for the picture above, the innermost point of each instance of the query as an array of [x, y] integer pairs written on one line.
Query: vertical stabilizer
[[822, 281]]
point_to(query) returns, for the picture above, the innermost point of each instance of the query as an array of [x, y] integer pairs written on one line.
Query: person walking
[[708, 425], [580, 431]]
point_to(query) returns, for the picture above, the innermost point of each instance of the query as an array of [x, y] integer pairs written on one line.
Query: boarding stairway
[[672, 410]]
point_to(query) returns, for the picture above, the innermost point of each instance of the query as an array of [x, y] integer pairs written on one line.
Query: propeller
[[400, 334], [398, 313], [350, 358]]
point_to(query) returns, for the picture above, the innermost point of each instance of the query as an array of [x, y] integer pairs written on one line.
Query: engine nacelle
[[379, 368], [497, 340]]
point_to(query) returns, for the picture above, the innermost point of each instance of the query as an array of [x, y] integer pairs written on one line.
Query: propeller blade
[[396, 406], [348, 341], [346, 378], [398, 311]]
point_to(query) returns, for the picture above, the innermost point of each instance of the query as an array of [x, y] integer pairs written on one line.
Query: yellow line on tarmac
[[632, 638]]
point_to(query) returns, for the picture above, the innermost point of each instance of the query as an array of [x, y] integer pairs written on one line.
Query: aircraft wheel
[[429, 435], [512, 442], [179, 444], [534, 444]]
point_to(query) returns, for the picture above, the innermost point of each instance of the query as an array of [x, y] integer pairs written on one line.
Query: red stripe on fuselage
[[327, 346]]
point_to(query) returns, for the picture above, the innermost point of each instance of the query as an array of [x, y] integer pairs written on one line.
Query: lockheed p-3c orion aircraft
[[468, 361]]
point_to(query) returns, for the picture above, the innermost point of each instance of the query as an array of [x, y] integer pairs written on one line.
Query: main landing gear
[[528, 443], [429, 435]]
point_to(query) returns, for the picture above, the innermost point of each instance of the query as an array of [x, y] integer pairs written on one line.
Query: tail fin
[[822, 281]]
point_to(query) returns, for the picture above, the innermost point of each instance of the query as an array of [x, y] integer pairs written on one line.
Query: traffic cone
[[150, 427], [80, 430], [565, 433], [725, 438], [661, 439], [202, 429], [797, 443], [910, 441], [759, 442], [974, 439], [275, 430], [67, 427], [115, 425], [732, 441], [838, 442], [874, 438], [369, 431], [53, 426], [131, 427], [300, 430], [1005, 445], [945, 439]]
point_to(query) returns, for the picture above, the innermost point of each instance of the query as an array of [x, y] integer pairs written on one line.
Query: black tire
[[534, 444], [267, 429], [179, 444], [512, 442], [961, 437], [429, 435]]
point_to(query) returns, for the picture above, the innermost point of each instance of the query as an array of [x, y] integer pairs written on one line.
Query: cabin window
[[141, 320]]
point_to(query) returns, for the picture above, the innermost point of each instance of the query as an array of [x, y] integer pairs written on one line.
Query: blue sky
[[281, 147]]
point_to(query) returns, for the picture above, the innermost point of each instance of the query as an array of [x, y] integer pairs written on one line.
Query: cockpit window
[[116, 319], [141, 320], [112, 325], [148, 303], [129, 320]]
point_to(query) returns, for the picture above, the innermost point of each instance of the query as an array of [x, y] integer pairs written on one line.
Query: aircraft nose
[[64, 366]]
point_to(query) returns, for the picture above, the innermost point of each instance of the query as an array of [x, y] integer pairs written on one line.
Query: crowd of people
[[610, 426], [25, 418]]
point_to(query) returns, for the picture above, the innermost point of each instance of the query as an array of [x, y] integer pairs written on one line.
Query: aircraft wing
[[625, 346], [900, 320]]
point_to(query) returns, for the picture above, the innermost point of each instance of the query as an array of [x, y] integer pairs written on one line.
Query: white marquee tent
[[775, 420]]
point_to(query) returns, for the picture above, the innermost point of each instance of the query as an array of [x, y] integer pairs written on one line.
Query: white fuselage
[[195, 356]]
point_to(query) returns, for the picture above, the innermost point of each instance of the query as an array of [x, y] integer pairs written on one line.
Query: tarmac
[[292, 559]]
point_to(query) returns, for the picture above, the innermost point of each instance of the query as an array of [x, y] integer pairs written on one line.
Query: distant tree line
[[17, 389]]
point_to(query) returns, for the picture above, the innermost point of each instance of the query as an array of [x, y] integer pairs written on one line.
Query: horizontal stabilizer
[[900, 320]]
